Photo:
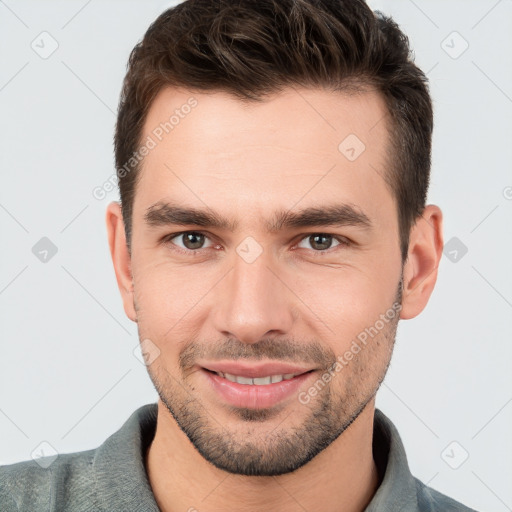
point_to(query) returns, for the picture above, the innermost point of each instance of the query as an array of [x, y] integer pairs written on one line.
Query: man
[[273, 162]]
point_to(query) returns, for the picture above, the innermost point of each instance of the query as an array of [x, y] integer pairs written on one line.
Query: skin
[[294, 302]]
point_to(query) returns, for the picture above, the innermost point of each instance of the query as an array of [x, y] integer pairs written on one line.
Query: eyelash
[[343, 242]]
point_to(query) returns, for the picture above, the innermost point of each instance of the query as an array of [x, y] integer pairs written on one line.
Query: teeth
[[244, 380], [261, 381], [258, 381]]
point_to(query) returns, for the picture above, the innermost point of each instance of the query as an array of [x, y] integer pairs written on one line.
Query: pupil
[[191, 240], [314, 239]]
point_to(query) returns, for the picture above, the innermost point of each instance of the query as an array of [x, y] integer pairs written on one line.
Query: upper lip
[[252, 370]]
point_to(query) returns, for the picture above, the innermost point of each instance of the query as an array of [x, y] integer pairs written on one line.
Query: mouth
[[265, 390]]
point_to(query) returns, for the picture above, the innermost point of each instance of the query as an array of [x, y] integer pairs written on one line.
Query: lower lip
[[253, 396]]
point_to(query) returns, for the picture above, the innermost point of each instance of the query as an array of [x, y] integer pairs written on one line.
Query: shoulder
[[399, 489], [109, 477], [43, 483], [430, 500]]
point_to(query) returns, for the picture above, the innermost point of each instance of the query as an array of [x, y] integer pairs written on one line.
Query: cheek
[[345, 301], [168, 290], [167, 299]]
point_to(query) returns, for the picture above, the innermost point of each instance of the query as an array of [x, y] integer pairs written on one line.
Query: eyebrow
[[163, 214]]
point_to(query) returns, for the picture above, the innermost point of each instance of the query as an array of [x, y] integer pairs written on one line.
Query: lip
[[253, 396], [254, 370]]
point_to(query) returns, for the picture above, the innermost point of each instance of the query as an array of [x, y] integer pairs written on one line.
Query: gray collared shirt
[[113, 477]]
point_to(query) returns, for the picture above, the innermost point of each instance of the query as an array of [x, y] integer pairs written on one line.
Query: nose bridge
[[253, 303]]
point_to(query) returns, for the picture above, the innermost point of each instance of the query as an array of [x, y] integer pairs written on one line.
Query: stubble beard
[[242, 445]]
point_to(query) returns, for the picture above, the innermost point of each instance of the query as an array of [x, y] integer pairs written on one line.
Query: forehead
[[302, 145]]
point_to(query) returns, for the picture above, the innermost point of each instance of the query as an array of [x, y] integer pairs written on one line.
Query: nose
[[253, 302]]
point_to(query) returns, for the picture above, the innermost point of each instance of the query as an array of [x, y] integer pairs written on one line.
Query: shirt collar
[[397, 490], [119, 465], [121, 478]]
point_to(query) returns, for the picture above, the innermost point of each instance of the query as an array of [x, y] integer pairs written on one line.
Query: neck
[[342, 477]]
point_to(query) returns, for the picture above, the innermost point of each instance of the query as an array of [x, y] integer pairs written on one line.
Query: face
[[265, 242]]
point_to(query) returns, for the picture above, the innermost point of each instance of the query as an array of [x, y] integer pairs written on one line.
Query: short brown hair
[[254, 48]]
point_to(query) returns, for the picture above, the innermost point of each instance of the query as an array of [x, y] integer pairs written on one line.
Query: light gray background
[[68, 373]]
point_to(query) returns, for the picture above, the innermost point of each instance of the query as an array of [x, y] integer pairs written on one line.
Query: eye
[[190, 240], [322, 241]]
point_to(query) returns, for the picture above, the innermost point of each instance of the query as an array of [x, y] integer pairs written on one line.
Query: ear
[[120, 257], [424, 255]]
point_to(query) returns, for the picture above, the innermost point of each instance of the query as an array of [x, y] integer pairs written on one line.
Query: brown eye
[[188, 240], [193, 240], [321, 241]]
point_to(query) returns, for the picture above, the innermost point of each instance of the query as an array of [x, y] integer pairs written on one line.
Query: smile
[[258, 381]]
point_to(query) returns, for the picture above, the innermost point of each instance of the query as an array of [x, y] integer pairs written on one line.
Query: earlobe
[[424, 256], [120, 257]]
